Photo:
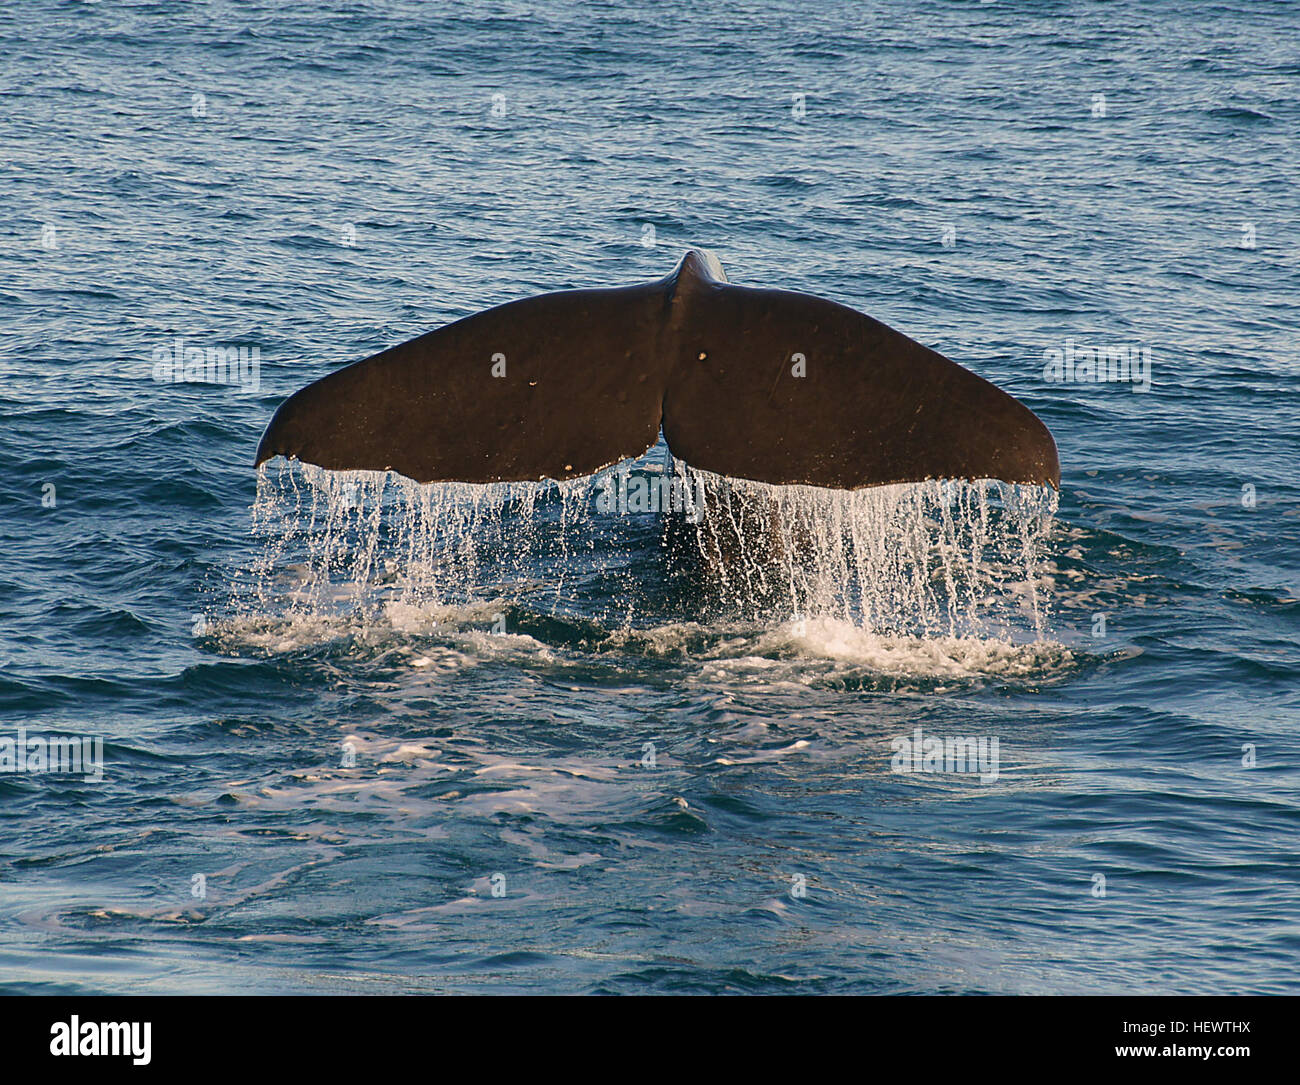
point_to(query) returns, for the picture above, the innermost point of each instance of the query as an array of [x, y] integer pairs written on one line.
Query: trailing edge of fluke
[[767, 385]]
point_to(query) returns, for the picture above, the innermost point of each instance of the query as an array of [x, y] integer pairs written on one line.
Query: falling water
[[930, 558], [924, 559]]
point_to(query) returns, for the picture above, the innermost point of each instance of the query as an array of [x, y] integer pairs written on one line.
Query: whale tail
[[768, 385]]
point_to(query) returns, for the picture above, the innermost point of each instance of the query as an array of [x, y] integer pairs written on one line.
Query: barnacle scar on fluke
[[767, 385]]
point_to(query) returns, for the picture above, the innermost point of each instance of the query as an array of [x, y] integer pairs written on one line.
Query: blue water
[[142, 601]]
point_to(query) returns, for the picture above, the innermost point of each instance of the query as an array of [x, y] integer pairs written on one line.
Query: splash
[[934, 559], [929, 559]]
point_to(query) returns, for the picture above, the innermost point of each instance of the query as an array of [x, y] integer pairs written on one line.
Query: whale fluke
[[767, 385]]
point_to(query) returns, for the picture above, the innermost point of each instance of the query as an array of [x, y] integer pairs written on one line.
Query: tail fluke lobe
[[761, 384], [786, 388], [554, 386]]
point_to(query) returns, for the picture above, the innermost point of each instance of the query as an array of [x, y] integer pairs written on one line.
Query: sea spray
[[931, 559]]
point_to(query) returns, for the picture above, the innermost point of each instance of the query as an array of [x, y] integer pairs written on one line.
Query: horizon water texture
[[340, 732]]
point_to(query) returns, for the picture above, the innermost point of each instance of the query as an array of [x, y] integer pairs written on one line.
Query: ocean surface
[[363, 736]]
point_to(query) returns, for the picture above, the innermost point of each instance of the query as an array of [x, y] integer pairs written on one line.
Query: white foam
[[842, 641]]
